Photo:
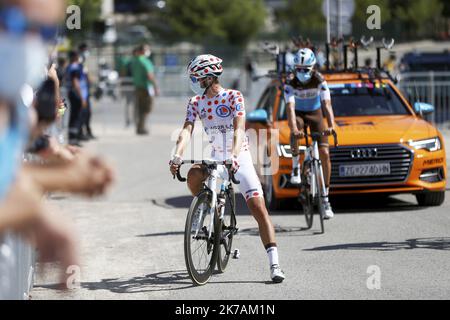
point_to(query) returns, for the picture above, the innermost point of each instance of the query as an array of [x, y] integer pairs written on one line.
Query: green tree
[[234, 22], [446, 10], [90, 13], [360, 18], [418, 16], [304, 18]]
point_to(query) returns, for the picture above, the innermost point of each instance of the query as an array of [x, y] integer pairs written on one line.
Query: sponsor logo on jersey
[[307, 94], [239, 107], [223, 111]]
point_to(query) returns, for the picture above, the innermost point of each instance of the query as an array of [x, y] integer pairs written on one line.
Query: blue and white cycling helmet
[[304, 62]]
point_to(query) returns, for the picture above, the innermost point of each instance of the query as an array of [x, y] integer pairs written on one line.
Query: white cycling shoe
[[295, 176], [329, 214], [276, 274]]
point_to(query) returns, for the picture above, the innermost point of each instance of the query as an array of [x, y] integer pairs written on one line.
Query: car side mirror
[[423, 108], [258, 116]]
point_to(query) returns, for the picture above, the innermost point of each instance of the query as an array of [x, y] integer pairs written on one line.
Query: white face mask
[[22, 62], [196, 86], [304, 76]]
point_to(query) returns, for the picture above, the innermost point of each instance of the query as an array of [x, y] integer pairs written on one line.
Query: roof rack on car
[[334, 46]]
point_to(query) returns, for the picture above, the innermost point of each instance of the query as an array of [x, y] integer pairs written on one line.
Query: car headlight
[[431, 145], [286, 152]]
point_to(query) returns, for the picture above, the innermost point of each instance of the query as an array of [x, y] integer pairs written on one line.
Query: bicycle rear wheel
[[227, 228], [305, 195], [200, 250]]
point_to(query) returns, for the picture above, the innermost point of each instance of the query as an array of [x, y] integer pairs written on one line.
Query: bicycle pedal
[[236, 254]]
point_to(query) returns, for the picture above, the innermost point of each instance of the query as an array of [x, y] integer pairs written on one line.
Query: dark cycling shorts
[[315, 121]]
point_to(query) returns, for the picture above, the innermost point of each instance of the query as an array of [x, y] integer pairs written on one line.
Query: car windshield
[[358, 99]]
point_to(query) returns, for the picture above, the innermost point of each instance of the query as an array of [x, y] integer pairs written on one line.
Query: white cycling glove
[[176, 160], [234, 164]]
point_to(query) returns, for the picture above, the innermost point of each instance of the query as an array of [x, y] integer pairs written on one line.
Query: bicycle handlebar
[[318, 135], [208, 164]]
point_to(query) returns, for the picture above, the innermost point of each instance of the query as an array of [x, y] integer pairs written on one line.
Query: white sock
[[272, 252], [327, 191], [295, 162]]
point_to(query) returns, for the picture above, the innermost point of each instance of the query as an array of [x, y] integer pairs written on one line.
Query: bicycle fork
[[319, 180], [212, 184]]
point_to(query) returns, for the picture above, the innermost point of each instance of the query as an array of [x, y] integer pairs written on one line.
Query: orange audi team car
[[385, 145]]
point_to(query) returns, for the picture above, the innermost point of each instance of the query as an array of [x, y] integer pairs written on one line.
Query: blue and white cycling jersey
[[13, 139], [307, 97]]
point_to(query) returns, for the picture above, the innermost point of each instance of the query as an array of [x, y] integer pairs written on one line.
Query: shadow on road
[[185, 202], [341, 204], [160, 281], [421, 243], [279, 230], [372, 204]]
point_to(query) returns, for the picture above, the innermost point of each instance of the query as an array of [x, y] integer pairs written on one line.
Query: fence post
[[432, 95]]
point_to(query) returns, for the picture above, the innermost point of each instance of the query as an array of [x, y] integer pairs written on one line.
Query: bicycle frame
[[211, 185], [312, 154]]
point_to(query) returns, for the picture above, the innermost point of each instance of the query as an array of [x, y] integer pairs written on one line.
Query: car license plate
[[365, 170]]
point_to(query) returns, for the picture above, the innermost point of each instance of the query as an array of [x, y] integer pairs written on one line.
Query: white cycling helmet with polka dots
[[205, 65]]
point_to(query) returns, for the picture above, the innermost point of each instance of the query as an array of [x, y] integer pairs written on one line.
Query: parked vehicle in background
[[134, 35], [426, 61], [108, 80]]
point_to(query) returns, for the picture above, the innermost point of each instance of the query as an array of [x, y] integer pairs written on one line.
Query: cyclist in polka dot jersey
[[222, 113], [217, 116]]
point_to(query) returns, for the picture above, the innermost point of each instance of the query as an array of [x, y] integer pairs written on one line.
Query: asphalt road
[[132, 239]]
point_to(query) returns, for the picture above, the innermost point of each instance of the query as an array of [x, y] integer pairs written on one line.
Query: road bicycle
[[210, 223], [312, 186]]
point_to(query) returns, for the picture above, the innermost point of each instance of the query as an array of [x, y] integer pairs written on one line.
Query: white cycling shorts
[[249, 185]]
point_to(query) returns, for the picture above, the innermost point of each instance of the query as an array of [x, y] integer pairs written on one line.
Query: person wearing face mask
[[78, 93], [23, 57], [86, 113], [222, 113], [148, 52], [145, 84], [308, 100], [23, 27]]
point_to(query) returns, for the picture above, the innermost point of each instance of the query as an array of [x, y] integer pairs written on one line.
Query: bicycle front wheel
[[200, 240], [227, 227], [320, 183], [305, 195]]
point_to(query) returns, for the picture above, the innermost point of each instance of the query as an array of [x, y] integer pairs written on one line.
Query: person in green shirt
[[145, 85]]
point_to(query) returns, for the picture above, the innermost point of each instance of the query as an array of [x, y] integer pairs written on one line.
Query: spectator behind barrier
[[23, 185]]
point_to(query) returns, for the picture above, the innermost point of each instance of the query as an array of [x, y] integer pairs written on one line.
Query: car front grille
[[399, 157]]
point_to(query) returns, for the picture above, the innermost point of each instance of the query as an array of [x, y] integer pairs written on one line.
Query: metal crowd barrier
[[17, 257], [17, 261], [429, 87], [174, 82]]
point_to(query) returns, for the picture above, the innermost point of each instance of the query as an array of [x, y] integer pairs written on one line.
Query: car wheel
[[431, 199]]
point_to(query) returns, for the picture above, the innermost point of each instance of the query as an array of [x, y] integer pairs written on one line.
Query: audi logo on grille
[[366, 153]]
